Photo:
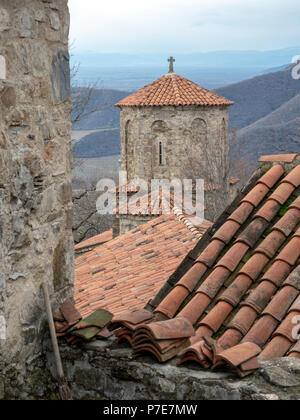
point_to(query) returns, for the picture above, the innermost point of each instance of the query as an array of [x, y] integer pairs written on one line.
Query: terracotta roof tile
[[282, 193], [259, 262], [239, 290], [278, 158], [173, 90], [272, 176], [256, 195], [281, 303], [106, 276], [241, 214], [94, 241]]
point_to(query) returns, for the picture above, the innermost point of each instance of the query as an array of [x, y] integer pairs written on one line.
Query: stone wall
[[105, 371], [182, 142], [36, 241]]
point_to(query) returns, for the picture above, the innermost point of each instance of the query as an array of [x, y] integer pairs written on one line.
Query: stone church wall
[[36, 242], [182, 142]]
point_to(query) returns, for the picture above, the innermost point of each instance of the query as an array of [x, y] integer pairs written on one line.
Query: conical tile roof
[[173, 90]]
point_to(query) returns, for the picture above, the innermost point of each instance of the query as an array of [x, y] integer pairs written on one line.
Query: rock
[[40, 62], [60, 77], [280, 372], [2, 67], [54, 21], [25, 22], [4, 20], [8, 97]]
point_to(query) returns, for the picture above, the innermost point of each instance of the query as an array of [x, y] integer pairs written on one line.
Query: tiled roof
[[126, 272], [131, 188], [155, 204], [238, 301], [94, 241], [174, 90]]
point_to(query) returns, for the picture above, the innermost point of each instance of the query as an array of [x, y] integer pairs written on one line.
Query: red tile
[[290, 252], [168, 330], [241, 214], [288, 222], [296, 305], [195, 308], [277, 273], [69, 312], [280, 304], [173, 90], [227, 231], [211, 252], [172, 301], [295, 204], [261, 331], [253, 232], [271, 244], [214, 282], [256, 195], [278, 347], [268, 210], [294, 278], [233, 257], [216, 316], [235, 292], [193, 276], [230, 338], [282, 193], [272, 176], [239, 354], [261, 296], [287, 158], [254, 266], [243, 320], [293, 177]]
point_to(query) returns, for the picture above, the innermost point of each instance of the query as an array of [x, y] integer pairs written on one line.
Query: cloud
[[183, 25]]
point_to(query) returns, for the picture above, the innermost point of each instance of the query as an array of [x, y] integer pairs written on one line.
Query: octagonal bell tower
[[174, 128]]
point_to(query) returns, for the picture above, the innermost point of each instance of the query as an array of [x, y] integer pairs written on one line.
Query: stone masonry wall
[[105, 371], [194, 144], [36, 242]]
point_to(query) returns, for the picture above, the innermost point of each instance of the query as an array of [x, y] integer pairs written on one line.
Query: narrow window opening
[[160, 154]]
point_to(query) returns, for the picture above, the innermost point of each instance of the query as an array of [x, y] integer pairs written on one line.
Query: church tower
[[174, 128]]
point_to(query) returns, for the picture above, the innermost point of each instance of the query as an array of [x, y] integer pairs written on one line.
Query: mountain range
[[265, 118]]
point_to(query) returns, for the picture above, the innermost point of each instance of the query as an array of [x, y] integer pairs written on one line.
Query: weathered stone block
[[25, 22], [54, 21], [4, 19], [2, 67], [60, 76], [8, 97], [40, 61]]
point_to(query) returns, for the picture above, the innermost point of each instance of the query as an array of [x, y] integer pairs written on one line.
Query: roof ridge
[[173, 90]]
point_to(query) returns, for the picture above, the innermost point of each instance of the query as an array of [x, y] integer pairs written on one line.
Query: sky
[[156, 26]]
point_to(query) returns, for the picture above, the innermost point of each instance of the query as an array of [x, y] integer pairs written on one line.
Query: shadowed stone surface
[[36, 242], [104, 370]]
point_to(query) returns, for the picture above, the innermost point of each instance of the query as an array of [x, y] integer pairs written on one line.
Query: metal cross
[[171, 60]]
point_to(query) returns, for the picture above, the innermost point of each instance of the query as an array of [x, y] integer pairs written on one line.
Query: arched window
[[159, 131]]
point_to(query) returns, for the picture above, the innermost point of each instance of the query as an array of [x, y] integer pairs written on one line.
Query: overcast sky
[[172, 26]]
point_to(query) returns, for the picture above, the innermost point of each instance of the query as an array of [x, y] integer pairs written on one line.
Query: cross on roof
[[171, 60]]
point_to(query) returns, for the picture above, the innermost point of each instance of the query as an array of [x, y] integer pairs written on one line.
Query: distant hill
[[100, 144], [278, 132], [265, 117], [257, 97], [100, 111]]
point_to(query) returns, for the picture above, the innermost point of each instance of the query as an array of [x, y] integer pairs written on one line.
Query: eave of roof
[[173, 90]]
